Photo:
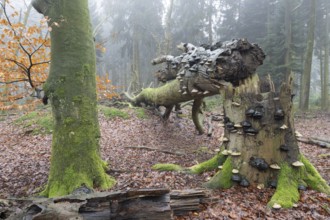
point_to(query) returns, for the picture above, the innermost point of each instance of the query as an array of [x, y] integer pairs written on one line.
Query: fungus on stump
[[259, 146]]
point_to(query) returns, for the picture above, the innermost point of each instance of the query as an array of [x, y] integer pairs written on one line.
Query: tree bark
[[306, 76], [71, 88]]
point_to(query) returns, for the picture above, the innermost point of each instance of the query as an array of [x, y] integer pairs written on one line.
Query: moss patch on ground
[[140, 113], [111, 113], [40, 122], [166, 167]]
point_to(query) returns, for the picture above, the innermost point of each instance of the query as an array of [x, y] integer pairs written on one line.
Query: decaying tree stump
[[200, 72], [151, 204], [259, 147]]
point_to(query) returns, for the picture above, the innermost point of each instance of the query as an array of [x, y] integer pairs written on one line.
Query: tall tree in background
[[325, 59], [229, 21], [71, 88], [168, 27], [189, 22], [137, 36], [306, 76]]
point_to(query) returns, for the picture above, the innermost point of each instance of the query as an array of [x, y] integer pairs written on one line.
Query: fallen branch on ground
[[156, 149]]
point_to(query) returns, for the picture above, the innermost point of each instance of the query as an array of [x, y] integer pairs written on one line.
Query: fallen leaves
[[25, 158]]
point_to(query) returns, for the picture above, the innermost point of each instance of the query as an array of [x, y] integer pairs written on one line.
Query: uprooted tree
[[200, 72], [259, 146]]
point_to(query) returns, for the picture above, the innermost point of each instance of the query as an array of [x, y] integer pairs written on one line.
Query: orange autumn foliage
[[24, 63]]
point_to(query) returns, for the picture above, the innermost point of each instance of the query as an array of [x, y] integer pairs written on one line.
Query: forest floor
[[132, 144]]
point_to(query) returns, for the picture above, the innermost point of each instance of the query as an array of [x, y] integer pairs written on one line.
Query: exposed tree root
[[289, 178], [208, 165]]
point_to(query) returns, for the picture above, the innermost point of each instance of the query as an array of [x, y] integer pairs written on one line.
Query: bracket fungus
[[279, 114], [236, 178], [284, 127], [275, 166], [244, 182], [249, 112], [251, 131], [235, 171], [297, 164], [258, 163], [284, 147], [277, 206]]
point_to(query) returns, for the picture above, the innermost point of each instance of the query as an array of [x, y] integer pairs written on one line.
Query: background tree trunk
[[288, 37], [168, 28], [306, 76], [71, 88], [326, 88]]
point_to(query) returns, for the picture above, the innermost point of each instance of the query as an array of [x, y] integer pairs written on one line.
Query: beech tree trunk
[[71, 88], [306, 76]]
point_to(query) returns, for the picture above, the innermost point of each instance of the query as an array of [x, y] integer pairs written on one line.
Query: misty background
[[130, 33]]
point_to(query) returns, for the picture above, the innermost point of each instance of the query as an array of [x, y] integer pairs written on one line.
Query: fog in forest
[[130, 33]]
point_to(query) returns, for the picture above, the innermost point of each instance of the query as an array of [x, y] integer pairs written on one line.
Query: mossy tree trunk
[[71, 88]]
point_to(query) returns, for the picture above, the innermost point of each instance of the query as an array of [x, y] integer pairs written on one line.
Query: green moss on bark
[[286, 193], [312, 177], [71, 88], [208, 165], [222, 179]]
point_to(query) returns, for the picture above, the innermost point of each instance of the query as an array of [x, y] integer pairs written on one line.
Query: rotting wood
[[157, 204]]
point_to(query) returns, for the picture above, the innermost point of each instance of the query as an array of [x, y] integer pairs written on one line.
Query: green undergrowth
[[111, 112], [40, 122], [140, 113]]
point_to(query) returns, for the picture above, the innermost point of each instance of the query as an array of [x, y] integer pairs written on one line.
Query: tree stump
[[259, 147]]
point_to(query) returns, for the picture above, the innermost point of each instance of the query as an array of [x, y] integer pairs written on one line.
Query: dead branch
[[156, 149], [314, 141]]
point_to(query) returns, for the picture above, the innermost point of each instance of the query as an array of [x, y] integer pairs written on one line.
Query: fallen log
[[314, 141], [200, 72], [153, 204]]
